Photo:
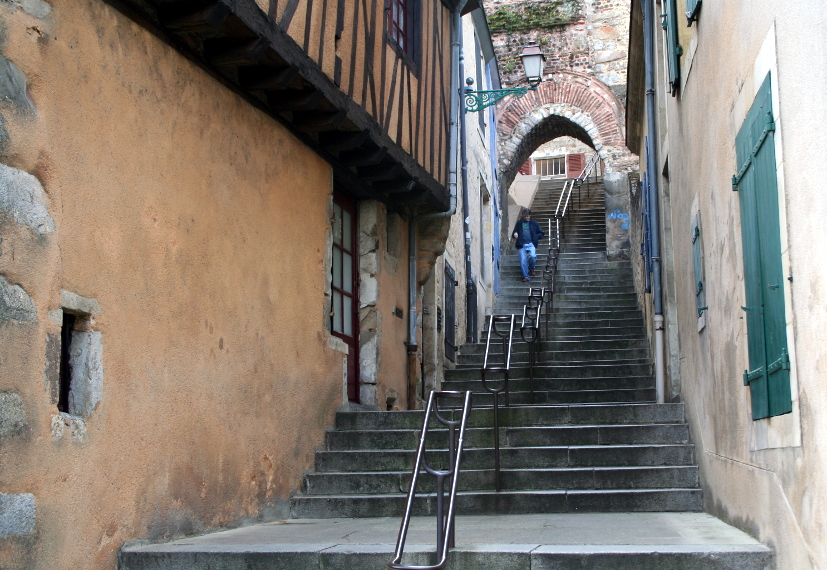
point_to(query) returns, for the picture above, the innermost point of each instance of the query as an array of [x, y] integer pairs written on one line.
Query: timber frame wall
[[325, 69]]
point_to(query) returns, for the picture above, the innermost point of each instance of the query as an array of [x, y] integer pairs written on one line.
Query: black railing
[[444, 522], [530, 332], [498, 362]]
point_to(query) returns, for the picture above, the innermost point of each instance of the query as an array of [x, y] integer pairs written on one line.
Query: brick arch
[[565, 104]]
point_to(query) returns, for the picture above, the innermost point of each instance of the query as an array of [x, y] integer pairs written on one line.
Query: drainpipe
[[470, 283], [649, 24], [456, 34]]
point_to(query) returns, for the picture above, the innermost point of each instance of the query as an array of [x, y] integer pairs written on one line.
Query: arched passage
[[565, 104]]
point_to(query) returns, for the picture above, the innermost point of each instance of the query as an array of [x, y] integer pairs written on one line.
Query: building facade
[[727, 217], [205, 215]]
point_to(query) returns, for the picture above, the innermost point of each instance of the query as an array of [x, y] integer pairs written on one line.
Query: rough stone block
[[15, 304], [36, 8], [76, 425], [368, 290], [17, 514], [85, 358], [368, 360], [22, 196], [367, 394], [14, 85], [78, 304], [369, 263], [51, 372], [12, 413]]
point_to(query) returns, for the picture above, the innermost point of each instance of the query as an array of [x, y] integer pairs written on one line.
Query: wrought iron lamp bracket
[[479, 100]]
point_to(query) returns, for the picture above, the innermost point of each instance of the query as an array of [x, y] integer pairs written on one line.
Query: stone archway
[[565, 104]]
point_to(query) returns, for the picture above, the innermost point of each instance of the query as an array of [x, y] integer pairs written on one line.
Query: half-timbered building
[[207, 215]]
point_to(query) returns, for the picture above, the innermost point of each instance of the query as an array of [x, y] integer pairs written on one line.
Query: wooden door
[[344, 286]]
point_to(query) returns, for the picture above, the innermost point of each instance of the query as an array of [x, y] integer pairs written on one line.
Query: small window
[[402, 30], [80, 382], [551, 166]]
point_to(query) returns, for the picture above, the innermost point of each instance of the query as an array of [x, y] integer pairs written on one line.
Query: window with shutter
[[674, 51], [768, 375], [693, 8]]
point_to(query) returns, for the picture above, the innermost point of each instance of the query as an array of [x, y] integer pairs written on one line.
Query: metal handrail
[[488, 366], [592, 162], [531, 326], [444, 526]]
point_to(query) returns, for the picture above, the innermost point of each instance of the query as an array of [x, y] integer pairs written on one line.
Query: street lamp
[[533, 59]]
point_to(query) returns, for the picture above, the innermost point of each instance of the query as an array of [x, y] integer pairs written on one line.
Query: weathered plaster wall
[[383, 307], [173, 205], [765, 476]]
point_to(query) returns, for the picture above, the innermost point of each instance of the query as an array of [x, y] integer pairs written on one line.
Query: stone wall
[[594, 41]]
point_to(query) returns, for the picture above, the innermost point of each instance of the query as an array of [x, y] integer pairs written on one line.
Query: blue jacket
[[533, 227]]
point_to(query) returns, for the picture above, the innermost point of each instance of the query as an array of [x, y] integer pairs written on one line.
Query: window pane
[[337, 224], [337, 312], [347, 315], [337, 267], [347, 242], [347, 268]]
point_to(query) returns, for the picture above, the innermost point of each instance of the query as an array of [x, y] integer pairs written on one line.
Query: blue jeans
[[528, 259]]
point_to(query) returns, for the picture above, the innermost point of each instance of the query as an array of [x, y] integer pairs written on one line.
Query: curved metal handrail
[[490, 367], [530, 327], [444, 526]]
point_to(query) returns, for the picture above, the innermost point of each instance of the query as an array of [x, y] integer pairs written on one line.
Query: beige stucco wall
[[175, 206], [765, 476]]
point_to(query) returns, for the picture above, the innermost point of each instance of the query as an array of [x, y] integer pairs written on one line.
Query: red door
[[575, 163], [344, 287]]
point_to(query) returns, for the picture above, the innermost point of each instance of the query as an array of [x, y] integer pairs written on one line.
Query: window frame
[[410, 50]]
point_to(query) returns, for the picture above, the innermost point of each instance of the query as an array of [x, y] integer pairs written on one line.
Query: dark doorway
[[450, 313], [344, 286]]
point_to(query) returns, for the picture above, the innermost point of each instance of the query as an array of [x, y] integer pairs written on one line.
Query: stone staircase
[[594, 441]]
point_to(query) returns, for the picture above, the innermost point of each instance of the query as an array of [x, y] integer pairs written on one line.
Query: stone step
[[523, 416], [521, 384], [477, 437], [389, 482], [519, 353], [504, 502], [557, 370], [601, 541], [522, 361], [523, 398], [512, 457], [554, 350]]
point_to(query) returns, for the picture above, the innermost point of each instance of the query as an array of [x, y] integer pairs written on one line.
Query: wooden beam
[[381, 172], [294, 99], [396, 186], [315, 121], [269, 78], [236, 55], [202, 20], [363, 157], [343, 140]]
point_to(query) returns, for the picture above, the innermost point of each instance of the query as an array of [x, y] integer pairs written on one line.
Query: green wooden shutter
[[768, 375], [674, 51], [693, 8], [697, 258]]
